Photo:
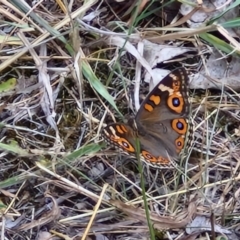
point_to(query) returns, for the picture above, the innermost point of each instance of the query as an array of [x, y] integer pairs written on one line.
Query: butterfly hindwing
[[120, 135]]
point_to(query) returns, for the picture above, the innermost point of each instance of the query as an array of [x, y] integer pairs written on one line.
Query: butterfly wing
[[121, 135], [162, 119]]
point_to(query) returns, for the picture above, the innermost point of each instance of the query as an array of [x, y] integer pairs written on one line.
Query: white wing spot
[[170, 90], [114, 133], [165, 88]]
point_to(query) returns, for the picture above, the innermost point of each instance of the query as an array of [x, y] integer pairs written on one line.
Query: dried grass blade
[[46, 218], [160, 222]]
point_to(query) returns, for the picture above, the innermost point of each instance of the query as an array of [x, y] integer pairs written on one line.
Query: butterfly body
[[161, 124]]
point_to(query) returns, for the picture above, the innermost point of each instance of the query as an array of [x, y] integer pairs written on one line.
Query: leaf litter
[[55, 182]]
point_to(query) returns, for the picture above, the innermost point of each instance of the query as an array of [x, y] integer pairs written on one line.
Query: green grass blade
[[233, 5], [142, 182], [13, 181], [8, 85], [85, 150], [14, 148], [231, 23], [97, 85], [219, 44]]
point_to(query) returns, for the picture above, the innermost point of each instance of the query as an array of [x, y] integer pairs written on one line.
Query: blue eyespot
[[175, 102], [180, 125]]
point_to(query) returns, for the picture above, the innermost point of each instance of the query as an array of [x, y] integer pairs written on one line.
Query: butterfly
[[162, 123]]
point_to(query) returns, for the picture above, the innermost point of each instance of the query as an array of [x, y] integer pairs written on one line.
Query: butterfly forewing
[[169, 98]]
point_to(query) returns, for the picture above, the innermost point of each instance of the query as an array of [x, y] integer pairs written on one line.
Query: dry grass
[[58, 180]]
